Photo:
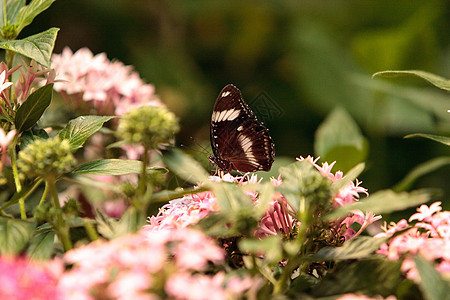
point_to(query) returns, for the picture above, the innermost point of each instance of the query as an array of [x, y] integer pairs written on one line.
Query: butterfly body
[[238, 140]]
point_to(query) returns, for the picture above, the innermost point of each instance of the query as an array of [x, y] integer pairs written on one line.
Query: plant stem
[[63, 229], [90, 230], [143, 178], [44, 194], [13, 156]]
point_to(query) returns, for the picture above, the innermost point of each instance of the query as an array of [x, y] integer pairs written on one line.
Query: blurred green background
[[308, 57]]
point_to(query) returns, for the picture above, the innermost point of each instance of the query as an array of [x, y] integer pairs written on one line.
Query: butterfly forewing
[[238, 140]]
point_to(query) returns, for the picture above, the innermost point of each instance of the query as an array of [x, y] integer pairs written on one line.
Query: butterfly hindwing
[[238, 140]]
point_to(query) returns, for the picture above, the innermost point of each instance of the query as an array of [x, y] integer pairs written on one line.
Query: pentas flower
[[92, 82], [430, 238], [146, 265], [22, 279], [5, 140]]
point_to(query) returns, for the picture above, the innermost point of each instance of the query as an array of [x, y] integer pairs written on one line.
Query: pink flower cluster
[[111, 88], [279, 218], [429, 237], [149, 265], [22, 279]]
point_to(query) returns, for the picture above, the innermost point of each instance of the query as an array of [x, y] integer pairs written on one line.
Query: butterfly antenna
[[205, 151]]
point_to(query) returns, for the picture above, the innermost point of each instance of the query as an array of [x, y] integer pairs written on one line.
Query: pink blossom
[[364, 297], [109, 87], [428, 238], [23, 279]]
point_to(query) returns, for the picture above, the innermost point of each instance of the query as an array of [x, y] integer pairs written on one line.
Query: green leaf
[[112, 167], [29, 12], [79, 129], [269, 247], [421, 170], [32, 109], [184, 166], [38, 47], [111, 228], [356, 248], [14, 235], [441, 139], [436, 80], [384, 201], [32, 135], [41, 246], [433, 286], [12, 9], [339, 139]]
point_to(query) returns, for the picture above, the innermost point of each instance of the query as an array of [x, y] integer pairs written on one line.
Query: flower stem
[[143, 178], [44, 195], [90, 230], [13, 156], [63, 229]]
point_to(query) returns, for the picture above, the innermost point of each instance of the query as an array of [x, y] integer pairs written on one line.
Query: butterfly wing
[[239, 141]]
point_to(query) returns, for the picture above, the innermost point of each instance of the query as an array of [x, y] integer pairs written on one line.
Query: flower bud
[[148, 125], [46, 158]]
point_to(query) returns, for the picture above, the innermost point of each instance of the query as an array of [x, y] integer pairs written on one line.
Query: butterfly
[[238, 140]]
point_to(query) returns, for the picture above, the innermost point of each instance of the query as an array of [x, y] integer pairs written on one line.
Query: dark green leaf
[[184, 166], [14, 235], [12, 9], [375, 276], [359, 247], [30, 11], [32, 109], [111, 228], [441, 139], [112, 167], [384, 201], [38, 47], [421, 170], [79, 129], [436, 80], [41, 246], [339, 139], [32, 135], [433, 286]]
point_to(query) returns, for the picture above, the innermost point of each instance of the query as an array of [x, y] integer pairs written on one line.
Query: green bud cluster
[[148, 125], [46, 158]]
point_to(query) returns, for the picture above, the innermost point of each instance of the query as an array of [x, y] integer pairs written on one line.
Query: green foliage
[[440, 139], [111, 167], [79, 129], [436, 80], [339, 139], [385, 201], [433, 286], [184, 166], [38, 47], [41, 245], [14, 235], [31, 110]]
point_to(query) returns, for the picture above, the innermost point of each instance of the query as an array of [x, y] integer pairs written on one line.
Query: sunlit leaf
[[14, 235], [12, 9], [79, 129], [385, 201], [29, 12], [112, 167], [441, 139], [38, 47], [436, 80], [32, 109]]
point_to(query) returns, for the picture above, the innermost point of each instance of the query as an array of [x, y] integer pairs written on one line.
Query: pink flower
[[3, 83], [429, 238], [23, 279], [109, 87], [425, 212], [5, 140]]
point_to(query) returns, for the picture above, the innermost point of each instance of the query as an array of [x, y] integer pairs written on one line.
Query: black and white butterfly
[[238, 140]]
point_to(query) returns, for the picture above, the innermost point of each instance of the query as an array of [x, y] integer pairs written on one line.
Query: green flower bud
[[46, 158], [148, 125]]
